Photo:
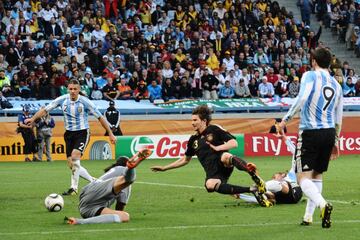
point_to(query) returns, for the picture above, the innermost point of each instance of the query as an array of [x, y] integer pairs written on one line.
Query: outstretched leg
[[106, 218], [231, 160]]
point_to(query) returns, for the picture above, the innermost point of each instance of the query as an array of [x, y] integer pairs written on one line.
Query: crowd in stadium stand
[[157, 49]]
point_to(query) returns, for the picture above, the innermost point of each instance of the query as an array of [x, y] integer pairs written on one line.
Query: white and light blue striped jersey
[[320, 101], [75, 112]]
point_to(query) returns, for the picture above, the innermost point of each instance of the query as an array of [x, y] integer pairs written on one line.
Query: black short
[[297, 194], [76, 140], [219, 172], [313, 149], [293, 196]]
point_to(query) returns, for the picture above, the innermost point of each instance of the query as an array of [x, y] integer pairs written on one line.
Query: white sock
[[106, 218], [247, 198], [310, 205], [312, 192], [85, 174], [75, 174], [318, 183]]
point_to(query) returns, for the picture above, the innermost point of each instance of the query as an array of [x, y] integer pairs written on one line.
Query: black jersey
[[293, 196], [209, 159]]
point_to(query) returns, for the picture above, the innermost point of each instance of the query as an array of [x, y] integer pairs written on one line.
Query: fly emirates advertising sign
[[270, 145]]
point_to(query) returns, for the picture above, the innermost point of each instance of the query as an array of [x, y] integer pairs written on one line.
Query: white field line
[[182, 186], [182, 227], [198, 187]]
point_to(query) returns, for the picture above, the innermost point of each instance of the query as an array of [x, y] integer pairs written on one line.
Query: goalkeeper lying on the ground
[[283, 187]]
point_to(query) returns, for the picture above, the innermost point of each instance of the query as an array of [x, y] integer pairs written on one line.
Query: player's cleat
[[70, 220], [70, 192], [326, 215], [258, 181], [262, 200], [305, 223], [138, 157]]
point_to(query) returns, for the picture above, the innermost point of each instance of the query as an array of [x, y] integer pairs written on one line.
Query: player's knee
[[75, 154], [226, 158], [211, 184]]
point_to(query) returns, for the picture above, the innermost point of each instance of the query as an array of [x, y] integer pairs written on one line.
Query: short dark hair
[[322, 57], [74, 81], [204, 113]]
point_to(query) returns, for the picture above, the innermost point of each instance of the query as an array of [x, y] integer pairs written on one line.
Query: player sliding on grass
[[97, 197], [283, 187], [76, 109], [211, 144]]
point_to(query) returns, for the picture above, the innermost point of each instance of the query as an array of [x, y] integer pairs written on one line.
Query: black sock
[[239, 163], [225, 188]]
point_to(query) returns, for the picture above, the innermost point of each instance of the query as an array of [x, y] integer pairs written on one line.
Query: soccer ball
[[54, 202]]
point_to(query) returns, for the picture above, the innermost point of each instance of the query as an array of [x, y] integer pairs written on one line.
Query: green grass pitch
[[174, 205]]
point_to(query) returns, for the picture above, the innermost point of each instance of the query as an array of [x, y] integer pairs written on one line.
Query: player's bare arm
[[178, 163], [39, 114], [226, 146], [335, 153], [105, 125]]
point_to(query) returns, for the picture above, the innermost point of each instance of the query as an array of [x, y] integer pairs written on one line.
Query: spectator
[[110, 92], [348, 88], [266, 89], [253, 88], [44, 133], [53, 29], [101, 81], [154, 91], [282, 87], [294, 87], [4, 103], [124, 89], [169, 90], [357, 88], [185, 89], [141, 91], [227, 91], [242, 90], [209, 85], [4, 80], [212, 61], [305, 10], [228, 61]]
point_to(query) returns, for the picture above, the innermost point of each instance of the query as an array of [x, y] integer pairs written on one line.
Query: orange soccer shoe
[[138, 157]]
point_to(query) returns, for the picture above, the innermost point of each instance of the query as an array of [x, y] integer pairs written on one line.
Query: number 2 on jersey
[[329, 94], [81, 147]]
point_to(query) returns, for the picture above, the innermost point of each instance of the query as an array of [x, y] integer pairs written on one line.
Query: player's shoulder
[[215, 127], [62, 98], [336, 83], [84, 99], [194, 136], [309, 76]]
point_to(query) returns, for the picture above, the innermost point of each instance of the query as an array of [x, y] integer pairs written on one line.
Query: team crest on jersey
[[209, 137], [195, 144], [79, 109]]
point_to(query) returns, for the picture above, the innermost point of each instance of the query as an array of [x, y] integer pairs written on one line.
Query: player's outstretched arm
[[38, 114], [178, 163], [105, 125]]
